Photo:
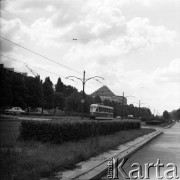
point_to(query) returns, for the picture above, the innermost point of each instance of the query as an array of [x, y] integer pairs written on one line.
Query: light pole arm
[[142, 103], [74, 77], [130, 96], [93, 78]]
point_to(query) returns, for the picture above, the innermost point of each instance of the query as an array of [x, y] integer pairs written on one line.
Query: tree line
[[26, 91], [175, 115]]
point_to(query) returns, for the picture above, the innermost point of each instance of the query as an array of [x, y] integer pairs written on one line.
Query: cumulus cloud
[[169, 74], [13, 30], [142, 34], [89, 21]]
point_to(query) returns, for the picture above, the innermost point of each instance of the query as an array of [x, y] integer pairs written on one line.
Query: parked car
[[14, 111], [130, 116], [119, 117]]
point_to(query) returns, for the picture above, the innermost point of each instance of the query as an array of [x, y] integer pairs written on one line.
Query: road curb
[[100, 168], [169, 126]]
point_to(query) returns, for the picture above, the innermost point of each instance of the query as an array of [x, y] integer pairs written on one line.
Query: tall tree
[[68, 90], [59, 87], [19, 90], [35, 92], [88, 102], [59, 100], [73, 102], [97, 99], [6, 96], [48, 93], [166, 115], [176, 114]]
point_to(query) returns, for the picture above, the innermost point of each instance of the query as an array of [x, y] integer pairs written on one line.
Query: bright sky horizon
[[134, 45]]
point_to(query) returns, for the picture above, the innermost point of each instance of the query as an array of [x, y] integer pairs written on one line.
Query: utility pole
[[84, 80], [139, 109], [83, 95], [123, 107], [139, 112]]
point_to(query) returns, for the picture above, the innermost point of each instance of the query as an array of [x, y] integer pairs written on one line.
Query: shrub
[[62, 132], [154, 122]]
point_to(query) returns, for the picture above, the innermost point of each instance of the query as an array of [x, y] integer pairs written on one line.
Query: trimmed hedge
[[154, 122], [59, 133]]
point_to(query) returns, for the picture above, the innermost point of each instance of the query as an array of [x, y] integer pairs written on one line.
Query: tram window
[[93, 109]]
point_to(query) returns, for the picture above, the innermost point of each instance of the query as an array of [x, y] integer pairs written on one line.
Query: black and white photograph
[[89, 89]]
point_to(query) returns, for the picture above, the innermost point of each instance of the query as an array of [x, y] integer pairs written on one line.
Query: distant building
[[106, 94], [11, 70]]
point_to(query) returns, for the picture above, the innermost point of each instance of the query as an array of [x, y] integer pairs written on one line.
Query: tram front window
[[93, 109]]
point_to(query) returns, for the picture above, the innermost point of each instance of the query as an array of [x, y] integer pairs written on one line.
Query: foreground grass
[[32, 160]]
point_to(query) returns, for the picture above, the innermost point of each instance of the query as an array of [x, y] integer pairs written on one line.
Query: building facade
[[106, 94]]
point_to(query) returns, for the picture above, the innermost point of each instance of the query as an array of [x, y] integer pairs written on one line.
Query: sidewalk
[[96, 167]]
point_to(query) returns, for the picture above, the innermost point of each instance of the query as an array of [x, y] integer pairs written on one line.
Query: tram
[[98, 111]]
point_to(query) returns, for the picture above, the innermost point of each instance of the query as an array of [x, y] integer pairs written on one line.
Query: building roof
[[103, 91]]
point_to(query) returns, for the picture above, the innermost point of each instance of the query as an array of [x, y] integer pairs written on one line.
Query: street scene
[[165, 148], [89, 89]]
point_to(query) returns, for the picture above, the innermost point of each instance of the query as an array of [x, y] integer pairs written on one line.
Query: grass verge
[[32, 160]]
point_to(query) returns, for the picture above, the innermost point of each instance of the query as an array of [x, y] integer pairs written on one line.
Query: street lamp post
[[123, 107], [123, 104], [84, 80], [139, 107]]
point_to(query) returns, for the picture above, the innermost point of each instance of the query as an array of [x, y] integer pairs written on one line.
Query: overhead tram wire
[[30, 65], [40, 69], [67, 36], [40, 55]]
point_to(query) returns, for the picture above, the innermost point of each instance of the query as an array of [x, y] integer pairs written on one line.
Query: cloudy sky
[[133, 44]]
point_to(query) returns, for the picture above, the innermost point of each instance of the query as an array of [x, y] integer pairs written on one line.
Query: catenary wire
[[41, 69]]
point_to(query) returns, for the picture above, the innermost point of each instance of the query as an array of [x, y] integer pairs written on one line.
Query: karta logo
[[115, 168]]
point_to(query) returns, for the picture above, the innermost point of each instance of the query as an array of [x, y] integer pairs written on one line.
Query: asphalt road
[[166, 148]]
